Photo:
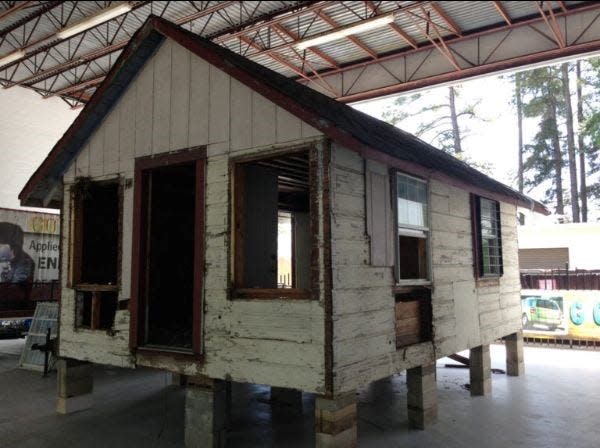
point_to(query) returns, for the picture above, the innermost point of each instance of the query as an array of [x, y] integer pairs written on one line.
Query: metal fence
[[561, 279]]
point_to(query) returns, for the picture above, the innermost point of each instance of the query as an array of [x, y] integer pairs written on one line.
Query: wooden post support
[[422, 396], [336, 421], [75, 386], [515, 364], [480, 367], [205, 413]]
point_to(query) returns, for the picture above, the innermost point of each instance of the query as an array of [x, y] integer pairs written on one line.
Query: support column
[[205, 413], [75, 386], [480, 366], [336, 421], [422, 396], [515, 364]]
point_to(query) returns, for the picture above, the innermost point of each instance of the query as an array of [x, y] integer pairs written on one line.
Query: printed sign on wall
[[560, 313], [29, 246]]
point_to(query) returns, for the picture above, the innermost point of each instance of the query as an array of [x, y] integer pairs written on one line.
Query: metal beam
[[503, 12], [486, 51], [15, 8], [84, 85]]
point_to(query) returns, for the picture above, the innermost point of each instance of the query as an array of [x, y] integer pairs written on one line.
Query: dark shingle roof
[[340, 122]]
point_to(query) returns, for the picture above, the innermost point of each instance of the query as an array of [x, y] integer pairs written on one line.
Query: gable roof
[[369, 136]]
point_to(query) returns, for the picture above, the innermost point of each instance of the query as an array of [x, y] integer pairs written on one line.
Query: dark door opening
[[167, 270]]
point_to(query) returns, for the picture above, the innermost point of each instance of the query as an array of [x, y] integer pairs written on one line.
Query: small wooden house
[[174, 184]]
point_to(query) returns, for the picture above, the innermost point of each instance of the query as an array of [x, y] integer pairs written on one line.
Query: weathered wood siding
[[464, 314], [179, 101]]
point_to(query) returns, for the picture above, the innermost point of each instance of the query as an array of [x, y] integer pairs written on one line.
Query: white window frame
[[410, 230]]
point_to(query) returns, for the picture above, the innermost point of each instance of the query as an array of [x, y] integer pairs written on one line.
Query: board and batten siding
[[179, 101], [465, 314]]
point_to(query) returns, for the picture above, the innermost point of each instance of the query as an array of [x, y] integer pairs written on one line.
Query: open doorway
[[170, 237]]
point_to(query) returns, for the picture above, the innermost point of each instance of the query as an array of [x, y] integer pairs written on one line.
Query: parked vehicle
[[537, 310]]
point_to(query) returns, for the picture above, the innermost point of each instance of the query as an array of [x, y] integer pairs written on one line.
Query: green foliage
[[435, 125]]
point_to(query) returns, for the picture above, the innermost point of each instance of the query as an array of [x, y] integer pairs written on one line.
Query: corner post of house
[[205, 412], [515, 363], [422, 396], [336, 421], [480, 369], [75, 385]]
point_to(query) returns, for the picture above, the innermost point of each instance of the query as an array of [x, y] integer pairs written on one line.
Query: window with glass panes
[[412, 228], [489, 239]]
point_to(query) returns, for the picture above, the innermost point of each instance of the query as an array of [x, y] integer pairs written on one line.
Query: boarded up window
[[379, 214], [544, 258], [413, 317]]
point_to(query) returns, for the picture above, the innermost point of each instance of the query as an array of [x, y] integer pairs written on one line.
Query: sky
[[493, 140]]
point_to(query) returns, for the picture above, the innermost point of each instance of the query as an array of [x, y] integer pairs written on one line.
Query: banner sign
[[560, 313], [29, 246]]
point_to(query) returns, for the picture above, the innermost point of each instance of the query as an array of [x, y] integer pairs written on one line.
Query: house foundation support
[[480, 367], [75, 385], [336, 421], [515, 363], [205, 413], [422, 396]]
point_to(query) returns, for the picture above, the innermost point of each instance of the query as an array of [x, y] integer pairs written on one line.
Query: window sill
[[93, 287], [174, 353], [411, 283], [487, 281], [270, 294]]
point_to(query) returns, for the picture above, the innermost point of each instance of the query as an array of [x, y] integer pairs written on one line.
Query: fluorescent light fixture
[[90, 22], [12, 57], [361, 27]]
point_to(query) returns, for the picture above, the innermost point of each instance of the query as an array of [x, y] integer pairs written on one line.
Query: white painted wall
[[465, 314], [179, 101]]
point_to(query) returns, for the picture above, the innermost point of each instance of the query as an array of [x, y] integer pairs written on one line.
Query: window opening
[[412, 228], [169, 273], [96, 252], [272, 223], [489, 241]]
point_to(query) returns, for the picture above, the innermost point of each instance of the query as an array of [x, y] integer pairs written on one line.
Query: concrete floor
[[554, 405]]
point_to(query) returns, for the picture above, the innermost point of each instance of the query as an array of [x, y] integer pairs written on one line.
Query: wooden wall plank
[[289, 127], [264, 121], [180, 97], [97, 153], [218, 119], [144, 108], [161, 126], [241, 116], [111, 141], [199, 102], [127, 132]]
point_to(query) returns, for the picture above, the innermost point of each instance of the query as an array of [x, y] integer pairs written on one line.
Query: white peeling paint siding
[[464, 315], [179, 101]]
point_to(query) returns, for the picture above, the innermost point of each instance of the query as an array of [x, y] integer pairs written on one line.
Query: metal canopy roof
[[424, 42]]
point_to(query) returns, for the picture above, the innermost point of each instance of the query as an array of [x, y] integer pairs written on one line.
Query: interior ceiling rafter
[[351, 50]]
